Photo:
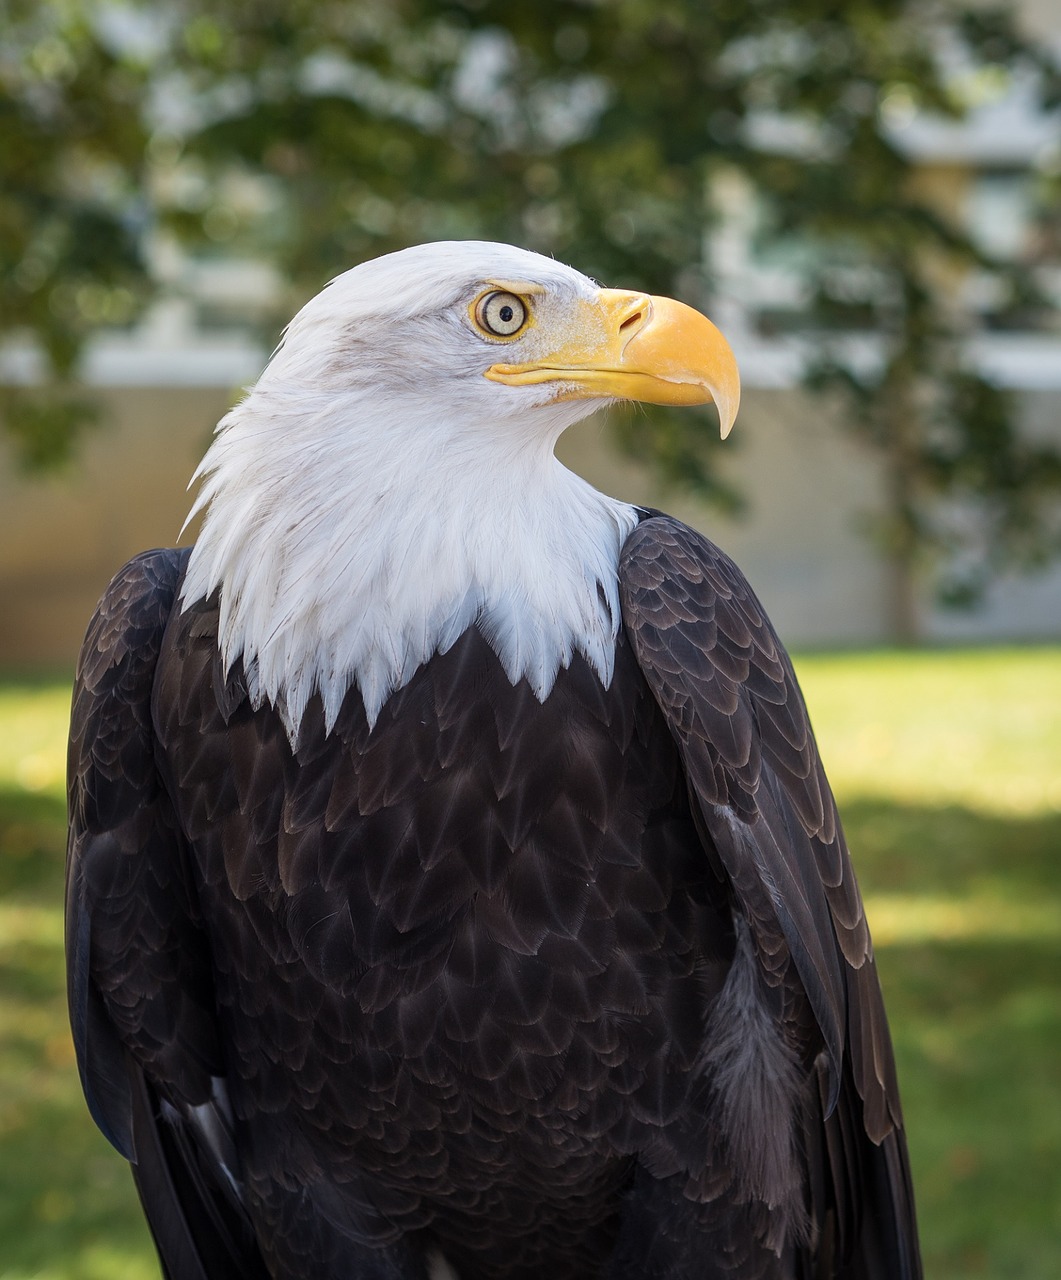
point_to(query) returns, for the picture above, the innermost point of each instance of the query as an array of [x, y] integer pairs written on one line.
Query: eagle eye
[[501, 314]]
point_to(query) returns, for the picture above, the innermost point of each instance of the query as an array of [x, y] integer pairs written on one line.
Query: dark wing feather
[[730, 696], [139, 979]]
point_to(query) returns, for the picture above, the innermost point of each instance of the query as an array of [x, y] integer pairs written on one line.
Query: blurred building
[[812, 491]]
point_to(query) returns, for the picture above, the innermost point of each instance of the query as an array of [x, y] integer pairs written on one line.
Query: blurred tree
[[73, 137], [607, 132]]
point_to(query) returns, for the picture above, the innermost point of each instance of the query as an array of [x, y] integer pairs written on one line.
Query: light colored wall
[[809, 489], [812, 496], [62, 537]]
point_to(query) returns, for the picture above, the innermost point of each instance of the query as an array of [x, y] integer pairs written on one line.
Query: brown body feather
[[580, 987]]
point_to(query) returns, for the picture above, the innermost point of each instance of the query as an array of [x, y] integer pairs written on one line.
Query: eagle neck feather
[[346, 551]]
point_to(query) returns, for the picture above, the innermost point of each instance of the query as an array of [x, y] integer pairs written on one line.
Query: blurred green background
[[864, 194], [946, 769]]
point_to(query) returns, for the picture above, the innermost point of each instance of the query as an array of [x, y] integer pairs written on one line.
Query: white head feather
[[374, 495]]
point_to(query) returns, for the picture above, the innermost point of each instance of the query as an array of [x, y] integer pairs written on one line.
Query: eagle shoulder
[[121, 835], [727, 688], [140, 985], [730, 697]]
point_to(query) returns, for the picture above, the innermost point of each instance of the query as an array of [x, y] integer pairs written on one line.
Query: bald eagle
[[453, 883]]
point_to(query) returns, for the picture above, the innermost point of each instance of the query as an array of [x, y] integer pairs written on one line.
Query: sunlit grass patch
[[900, 918], [35, 715], [979, 728]]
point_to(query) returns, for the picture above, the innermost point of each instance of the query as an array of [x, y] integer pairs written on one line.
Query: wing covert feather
[[140, 982], [727, 688], [731, 699]]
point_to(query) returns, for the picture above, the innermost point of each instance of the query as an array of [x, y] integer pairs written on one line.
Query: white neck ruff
[[350, 556]]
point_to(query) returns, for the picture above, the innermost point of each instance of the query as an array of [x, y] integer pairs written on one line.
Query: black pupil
[[506, 313]]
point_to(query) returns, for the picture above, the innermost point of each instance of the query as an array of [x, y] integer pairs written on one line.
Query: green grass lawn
[[948, 770]]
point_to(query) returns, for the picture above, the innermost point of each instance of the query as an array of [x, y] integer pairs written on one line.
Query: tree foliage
[[601, 131], [71, 118]]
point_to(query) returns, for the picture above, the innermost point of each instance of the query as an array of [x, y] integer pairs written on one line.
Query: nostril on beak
[[633, 321]]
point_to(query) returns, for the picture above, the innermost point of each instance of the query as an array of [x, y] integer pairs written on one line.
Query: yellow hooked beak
[[633, 346]]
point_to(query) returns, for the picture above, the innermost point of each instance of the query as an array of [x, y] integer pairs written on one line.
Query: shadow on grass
[[976, 1019], [952, 850], [67, 1206], [32, 842]]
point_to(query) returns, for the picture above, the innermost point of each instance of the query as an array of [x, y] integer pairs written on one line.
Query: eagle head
[[490, 332], [390, 479]]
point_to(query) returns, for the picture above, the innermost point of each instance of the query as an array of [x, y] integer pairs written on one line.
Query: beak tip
[[727, 414]]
